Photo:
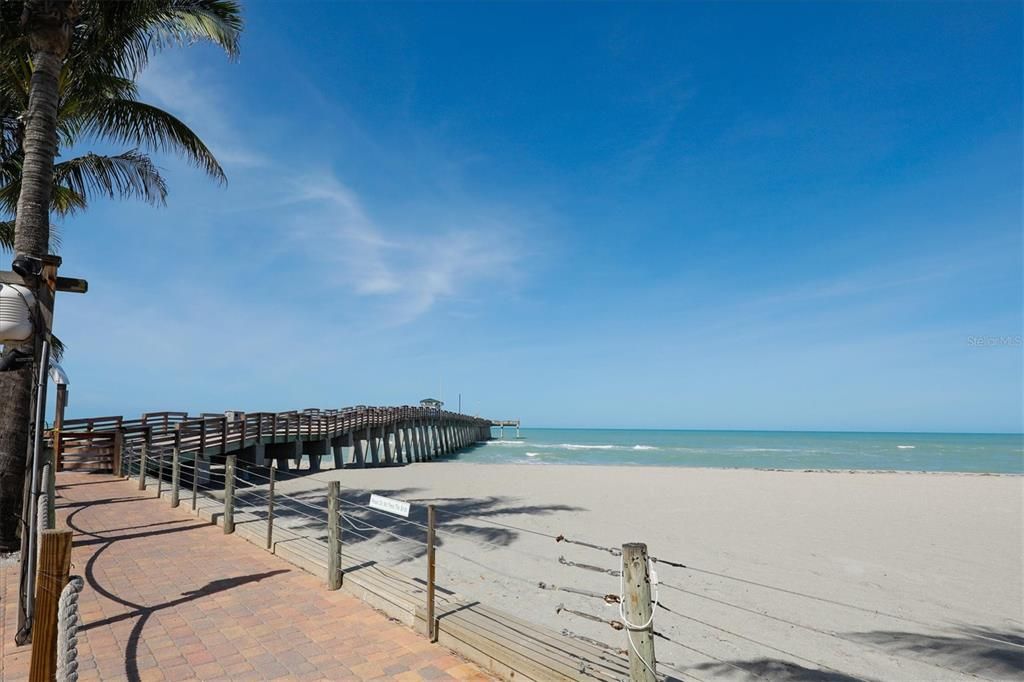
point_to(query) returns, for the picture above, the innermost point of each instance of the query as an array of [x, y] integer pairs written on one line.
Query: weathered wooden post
[[176, 468], [52, 576], [160, 473], [58, 425], [195, 479], [431, 520], [229, 494], [637, 612], [118, 453], [333, 536], [270, 509], [144, 457]]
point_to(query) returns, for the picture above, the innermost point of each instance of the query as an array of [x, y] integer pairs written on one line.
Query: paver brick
[[169, 597]]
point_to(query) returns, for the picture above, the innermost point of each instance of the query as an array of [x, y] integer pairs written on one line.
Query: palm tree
[[67, 76]]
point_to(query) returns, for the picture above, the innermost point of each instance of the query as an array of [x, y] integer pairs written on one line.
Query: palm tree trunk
[[48, 26]]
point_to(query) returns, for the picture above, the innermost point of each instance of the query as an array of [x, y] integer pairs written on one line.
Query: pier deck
[[169, 597]]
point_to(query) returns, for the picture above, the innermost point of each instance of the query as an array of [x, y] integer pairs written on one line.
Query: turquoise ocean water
[[980, 453]]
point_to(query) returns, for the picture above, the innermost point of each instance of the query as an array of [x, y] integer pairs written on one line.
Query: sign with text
[[390, 505]]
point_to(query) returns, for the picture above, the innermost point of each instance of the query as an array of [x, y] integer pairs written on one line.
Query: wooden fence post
[[270, 509], [52, 576], [118, 453], [160, 474], [229, 494], [637, 608], [143, 460], [431, 520], [333, 535], [195, 479], [176, 468]]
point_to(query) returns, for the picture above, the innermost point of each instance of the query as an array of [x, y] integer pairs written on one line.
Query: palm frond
[[138, 123], [64, 200], [121, 36], [130, 174], [7, 235], [57, 348]]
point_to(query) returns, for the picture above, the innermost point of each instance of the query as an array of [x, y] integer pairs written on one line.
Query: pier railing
[[403, 433]]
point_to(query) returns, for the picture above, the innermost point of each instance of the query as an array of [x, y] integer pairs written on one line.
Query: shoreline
[[454, 460]]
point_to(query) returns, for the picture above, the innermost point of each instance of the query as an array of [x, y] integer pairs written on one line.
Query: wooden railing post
[[270, 509], [431, 626], [333, 536], [143, 459], [176, 468], [637, 609], [117, 455], [195, 478], [160, 474], [224, 436], [52, 576], [229, 494]]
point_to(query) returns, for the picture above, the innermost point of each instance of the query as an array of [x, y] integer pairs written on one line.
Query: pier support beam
[[315, 449], [358, 453], [283, 453], [385, 439], [254, 454], [399, 450], [338, 444], [371, 436]]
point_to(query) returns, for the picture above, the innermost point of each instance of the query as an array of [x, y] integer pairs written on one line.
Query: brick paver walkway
[[169, 597]]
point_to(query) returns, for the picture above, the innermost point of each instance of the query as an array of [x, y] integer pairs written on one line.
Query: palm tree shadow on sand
[[305, 512], [969, 650]]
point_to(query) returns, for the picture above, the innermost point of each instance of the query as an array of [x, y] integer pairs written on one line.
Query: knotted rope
[[43, 508], [67, 630]]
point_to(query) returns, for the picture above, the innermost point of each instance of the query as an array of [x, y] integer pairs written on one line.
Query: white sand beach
[[894, 576]]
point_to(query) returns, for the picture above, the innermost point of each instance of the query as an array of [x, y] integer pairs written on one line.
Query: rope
[[67, 630], [630, 627]]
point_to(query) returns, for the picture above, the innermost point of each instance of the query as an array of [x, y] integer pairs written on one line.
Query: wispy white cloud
[[412, 268], [402, 257], [174, 85]]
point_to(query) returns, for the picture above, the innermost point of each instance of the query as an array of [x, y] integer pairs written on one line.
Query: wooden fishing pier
[[352, 437], [502, 423]]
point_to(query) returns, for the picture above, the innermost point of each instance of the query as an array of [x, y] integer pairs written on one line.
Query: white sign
[[389, 505]]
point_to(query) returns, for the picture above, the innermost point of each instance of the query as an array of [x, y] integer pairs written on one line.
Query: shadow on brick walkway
[[170, 598]]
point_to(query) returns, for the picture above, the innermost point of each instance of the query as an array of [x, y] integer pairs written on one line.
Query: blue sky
[[667, 215]]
